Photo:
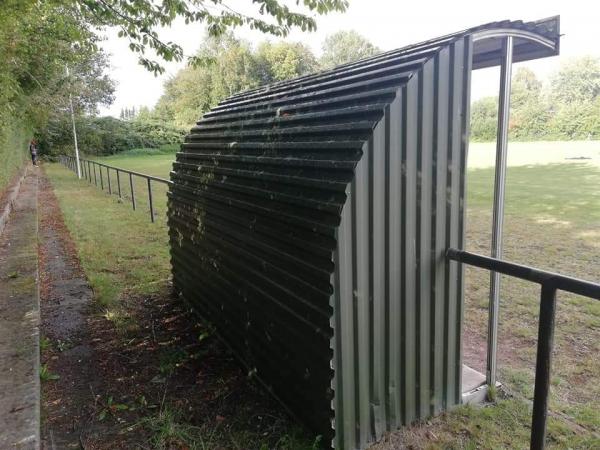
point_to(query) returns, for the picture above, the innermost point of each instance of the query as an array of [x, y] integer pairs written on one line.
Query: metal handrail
[[88, 171], [550, 283]]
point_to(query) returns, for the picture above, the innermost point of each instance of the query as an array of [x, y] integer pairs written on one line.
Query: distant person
[[34, 151]]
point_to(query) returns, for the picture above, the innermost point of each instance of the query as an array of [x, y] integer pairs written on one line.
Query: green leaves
[[34, 87], [568, 107], [110, 409], [344, 47], [46, 375], [138, 21]]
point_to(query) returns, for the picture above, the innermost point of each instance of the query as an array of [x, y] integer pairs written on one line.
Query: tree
[[525, 87], [577, 81], [195, 90], [484, 119], [529, 110], [34, 86], [344, 47], [284, 60], [235, 68], [138, 21], [569, 108]]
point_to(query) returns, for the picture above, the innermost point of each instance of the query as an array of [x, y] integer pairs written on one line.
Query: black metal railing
[[550, 283], [92, 171]]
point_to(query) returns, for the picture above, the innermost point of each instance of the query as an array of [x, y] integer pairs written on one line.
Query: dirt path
[[65, 308]]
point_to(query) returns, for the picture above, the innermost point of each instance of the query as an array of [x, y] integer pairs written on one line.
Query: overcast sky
[[389, 24]]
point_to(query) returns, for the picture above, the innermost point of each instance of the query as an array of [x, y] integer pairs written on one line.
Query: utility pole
[[74, 132]]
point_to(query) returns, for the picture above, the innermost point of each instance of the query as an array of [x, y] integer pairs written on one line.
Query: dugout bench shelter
[[309, 221]]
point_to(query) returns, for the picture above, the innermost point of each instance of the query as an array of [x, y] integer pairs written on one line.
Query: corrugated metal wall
[[253, 214], [397, 302], [253, 211]]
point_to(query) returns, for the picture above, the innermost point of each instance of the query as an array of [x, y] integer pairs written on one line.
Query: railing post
[[108, 177], [89, 172], [101, 178], [95, 179], [498, 211], [543, 365], [150, 200], [118, 183], [132, 192]]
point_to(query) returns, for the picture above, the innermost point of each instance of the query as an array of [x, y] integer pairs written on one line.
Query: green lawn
[[552, 221], [121, 251], [155, 165]]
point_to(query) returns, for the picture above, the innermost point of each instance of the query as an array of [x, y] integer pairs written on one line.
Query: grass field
[[552, 221]]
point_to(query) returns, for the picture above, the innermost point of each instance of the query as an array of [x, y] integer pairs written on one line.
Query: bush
[[108, 136], [166, 149]]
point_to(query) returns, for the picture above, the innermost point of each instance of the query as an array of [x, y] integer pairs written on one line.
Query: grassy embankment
[[552, 222], [13, 152]]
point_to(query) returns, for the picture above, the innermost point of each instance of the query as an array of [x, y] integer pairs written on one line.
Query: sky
[[389, 24]]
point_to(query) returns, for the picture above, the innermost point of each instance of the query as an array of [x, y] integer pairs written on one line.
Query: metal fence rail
[[92, 171], [550, 283]]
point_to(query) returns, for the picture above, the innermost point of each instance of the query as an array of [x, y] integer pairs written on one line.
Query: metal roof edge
[[547, 29]]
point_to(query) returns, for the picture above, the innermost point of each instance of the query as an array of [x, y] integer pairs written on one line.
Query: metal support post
[[150, 200], [543, 365], [118, 183], [132, 191], [498, 213]]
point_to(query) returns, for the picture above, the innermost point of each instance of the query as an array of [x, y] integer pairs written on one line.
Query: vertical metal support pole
[[119, 183], [543, 365], [108, 177], [101, 178], [150, 200], [132, 192], [89, 172], [498, 215], [95, 179]]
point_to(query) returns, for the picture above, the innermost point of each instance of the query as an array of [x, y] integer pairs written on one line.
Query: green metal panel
[[397, 338]]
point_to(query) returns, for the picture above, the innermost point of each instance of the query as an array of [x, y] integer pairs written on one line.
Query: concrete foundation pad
[[474, 389]]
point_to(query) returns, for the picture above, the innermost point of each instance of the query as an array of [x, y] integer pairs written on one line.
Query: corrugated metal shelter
[[309, 221]]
